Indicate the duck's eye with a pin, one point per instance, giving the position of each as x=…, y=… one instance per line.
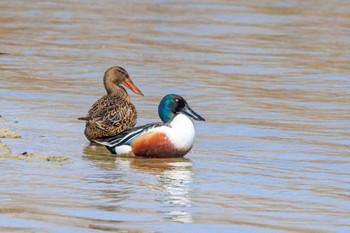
x=177, y=100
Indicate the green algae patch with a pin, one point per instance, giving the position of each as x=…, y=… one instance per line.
x=57, y=159
x=6, y=133
x=11, y=156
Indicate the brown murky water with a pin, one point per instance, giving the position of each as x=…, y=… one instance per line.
x=272, y=80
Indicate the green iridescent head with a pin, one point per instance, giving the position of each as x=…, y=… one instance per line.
x=173, y=104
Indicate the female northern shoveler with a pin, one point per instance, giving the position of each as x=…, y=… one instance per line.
x=171, y=138
x=114, y=112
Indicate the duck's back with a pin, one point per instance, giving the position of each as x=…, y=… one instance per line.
x=110, y=115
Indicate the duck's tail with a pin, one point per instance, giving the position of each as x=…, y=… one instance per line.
x=84, y=118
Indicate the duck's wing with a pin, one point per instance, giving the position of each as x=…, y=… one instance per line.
x=112, y=111
x=125, y=137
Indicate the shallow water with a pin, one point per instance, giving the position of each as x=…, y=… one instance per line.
x=272, y=81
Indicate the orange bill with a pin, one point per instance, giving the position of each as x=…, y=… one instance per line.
x=129, y=84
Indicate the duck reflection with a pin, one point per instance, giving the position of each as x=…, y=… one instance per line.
x=100, y=157
x=173, y=179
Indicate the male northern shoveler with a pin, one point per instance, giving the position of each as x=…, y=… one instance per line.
x=171, y=138
x=114, y=112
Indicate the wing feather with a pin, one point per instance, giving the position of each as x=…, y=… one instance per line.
x=125, y=137
x=111, y=114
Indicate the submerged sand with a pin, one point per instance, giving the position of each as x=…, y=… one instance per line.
x=5, y=150
x=6, y=133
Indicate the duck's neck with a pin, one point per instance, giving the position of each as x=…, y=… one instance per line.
x=114, y=89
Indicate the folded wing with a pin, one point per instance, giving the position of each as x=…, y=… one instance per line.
x=127, y=136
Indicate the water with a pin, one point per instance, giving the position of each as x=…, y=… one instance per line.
x=271, y=79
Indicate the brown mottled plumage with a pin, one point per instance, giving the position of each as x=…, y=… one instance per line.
x=114, y=112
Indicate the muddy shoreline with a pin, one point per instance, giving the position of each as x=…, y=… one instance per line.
x=5, y=150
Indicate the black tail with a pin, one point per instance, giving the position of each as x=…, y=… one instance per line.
x=102, y=141
x=111, y=149
x=84, y=118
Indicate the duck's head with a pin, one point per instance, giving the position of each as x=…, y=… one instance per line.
x=117, y=75
x=173, y=104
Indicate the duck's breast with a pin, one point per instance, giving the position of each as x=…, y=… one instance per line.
x=156, y=144
x=181, y=132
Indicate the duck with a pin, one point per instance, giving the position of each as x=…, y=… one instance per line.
x=171, y=138
x=114, y=112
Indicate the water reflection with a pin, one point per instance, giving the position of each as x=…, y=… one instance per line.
x=99, y=156
x=174, y=177
x=173, y=180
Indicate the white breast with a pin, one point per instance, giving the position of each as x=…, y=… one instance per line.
x=181, y=133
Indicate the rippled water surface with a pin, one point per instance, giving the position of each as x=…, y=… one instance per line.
x=271, y=78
